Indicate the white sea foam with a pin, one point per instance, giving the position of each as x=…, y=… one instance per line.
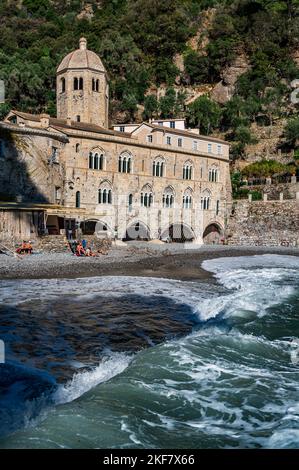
x=244, y=276
x=82, y=382
x=254, y=281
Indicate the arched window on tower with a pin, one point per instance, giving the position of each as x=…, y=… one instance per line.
x=146, y=196
x=187, y=170
x=77, y=148
x=187, y=199
x=213, y=175
x=62, y=85
x=168, y=198
x=105, y=193
x=125, y=163
x=80, y=83
x=96, y=160
x=76, y=83
x=93, y=85
x=158, y=167
x=206, y=200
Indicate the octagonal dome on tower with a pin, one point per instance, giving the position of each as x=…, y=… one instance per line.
x=81, y=58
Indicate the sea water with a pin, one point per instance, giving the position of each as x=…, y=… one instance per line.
x=129, y=362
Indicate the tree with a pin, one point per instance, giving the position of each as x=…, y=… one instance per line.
x=151, y=107
x=236, y=180
x=167, y=104
x=130, y=104
x=292, y=131
x=243, y=135
x=265, y=168
x=204, y=114
x=197, y=67
x=235, y=113
x=4, y=110
x=180, y=104
x=272, y=104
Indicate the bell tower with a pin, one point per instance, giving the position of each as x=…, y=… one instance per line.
x=82, y=90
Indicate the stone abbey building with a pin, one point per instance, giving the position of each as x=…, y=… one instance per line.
x=148, y=180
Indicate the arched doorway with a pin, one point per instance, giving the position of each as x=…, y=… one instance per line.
x=137, y=231
x=178, y=233
x=89, y=227
x=212, y=234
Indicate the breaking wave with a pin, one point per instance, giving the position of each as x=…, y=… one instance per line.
x=230, y=381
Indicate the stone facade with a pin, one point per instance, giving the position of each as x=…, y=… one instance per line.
x=271, y=223
x=148, y=177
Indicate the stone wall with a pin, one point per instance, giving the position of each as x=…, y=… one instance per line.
x=271, y=223
x=289, y=190
x=59, y=243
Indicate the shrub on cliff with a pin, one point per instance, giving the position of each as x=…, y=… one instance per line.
x=292, y=131
x=265, y=168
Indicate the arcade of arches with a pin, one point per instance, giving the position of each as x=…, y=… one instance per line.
x=178, y=233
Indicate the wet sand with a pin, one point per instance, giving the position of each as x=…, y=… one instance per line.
x=136, y=259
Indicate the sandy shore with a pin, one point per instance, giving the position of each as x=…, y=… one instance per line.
x=135, y=259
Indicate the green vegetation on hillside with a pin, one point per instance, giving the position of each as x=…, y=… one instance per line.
x=138, y=39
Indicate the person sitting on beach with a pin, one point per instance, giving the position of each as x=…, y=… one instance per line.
x=80, y=250
x=73, y=246
x=21, y=248
x=28, y=248
x=88, y=251
x=25, y=248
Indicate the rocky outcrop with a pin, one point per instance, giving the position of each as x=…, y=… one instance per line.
x=200, y=41
x=224, y=90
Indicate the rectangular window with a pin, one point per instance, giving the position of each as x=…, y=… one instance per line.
x=150, y=139
x=194, y=145
x=122, y=129
x=168, y=140
x=180, y=142
x=219, y=149
x=217, y=207
x=209, y=148
x=57, y=193
x=142, y=165
x=172, y=124
x=54, y=155
x=78, y=118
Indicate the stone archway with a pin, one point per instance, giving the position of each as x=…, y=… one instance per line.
x=137, y=231
x=178, y=233
x=89, y=227
x=213, y=234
